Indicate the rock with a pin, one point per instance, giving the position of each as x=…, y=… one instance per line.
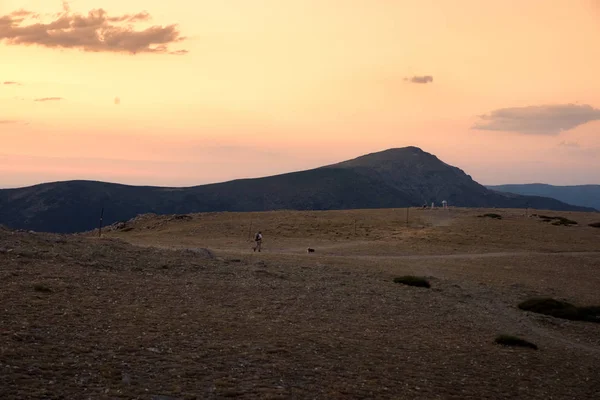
x=153, y=349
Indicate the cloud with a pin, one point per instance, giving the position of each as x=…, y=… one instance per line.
x=117, y=101
x=538, y=120
x=23, y=13
x=420, y=79
x=44, y=99
x=572, y=145
x=94, y=32
x=8, y=121
x=11, y=83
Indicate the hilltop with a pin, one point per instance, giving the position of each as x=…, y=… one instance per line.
x=394, y=178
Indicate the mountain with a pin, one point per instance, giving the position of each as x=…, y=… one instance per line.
x=392, y=178
x=581, y=195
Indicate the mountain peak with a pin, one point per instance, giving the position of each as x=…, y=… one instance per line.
x=399, y=157
x=393, y=178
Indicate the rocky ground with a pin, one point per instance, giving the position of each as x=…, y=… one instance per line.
x=89, y=318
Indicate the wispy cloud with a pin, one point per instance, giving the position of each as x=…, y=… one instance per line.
x=23, y=13
x=571, y=145
x=44, y=99
x=422, y=79
x=538, y=120
x=8, y=121
x=11, y=83
x=94, y=32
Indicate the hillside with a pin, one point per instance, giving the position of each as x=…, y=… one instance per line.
x=579, y=195
x=393, y=178
x=180, y=307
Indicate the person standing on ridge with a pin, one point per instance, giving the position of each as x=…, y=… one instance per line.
x=258, y=240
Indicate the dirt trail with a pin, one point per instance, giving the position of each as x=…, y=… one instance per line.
x=474, y=255
x=454, y=256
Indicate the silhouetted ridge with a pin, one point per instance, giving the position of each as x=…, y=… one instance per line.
x=393, y=178
x=579, y=195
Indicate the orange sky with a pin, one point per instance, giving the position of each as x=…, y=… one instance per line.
x=271, y=86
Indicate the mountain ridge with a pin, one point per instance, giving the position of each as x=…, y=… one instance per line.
x=579, y=195
x=393, y=178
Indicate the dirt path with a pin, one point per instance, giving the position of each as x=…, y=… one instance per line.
x=459, y=256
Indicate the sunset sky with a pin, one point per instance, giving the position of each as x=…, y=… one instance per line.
x=190, y=92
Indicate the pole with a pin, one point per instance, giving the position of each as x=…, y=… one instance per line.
x=250, y=231
x=355, y=227
x=101, y=217
x=407, y=208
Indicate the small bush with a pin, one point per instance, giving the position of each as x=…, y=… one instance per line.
x=508, y=340
x=595, y=224
x=561, y=309
x=42, y=288
x=590, y=314
x=410, y=280
x=558, y=220
x=491, y=215
x=564, y=221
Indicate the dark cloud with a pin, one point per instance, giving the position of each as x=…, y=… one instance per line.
x=420, y=79
x=538, y=120
x=94, y=32
x=11, y=83
x=44, y=99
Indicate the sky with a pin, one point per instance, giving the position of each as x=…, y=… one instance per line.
x=183, y=93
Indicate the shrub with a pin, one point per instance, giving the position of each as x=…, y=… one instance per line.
x=491, y=215
x=561, y=309
x=595, y=224
x=564, y=221
x=508, y=340
x=558, y=220
x=410, y=280
x=42, y=288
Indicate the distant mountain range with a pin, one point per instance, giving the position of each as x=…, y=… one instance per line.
x=581, y=195
x=389, y=179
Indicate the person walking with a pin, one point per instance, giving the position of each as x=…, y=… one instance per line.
x=258, y=240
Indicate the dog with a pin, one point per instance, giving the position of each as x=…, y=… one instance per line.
x=309, y=250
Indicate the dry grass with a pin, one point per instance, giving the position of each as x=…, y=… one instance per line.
x=168, y=317
x=366, y=232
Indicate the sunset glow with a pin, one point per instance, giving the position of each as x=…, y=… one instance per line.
x=183, y=93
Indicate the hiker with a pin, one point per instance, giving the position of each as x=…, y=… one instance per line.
x=258, y=240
